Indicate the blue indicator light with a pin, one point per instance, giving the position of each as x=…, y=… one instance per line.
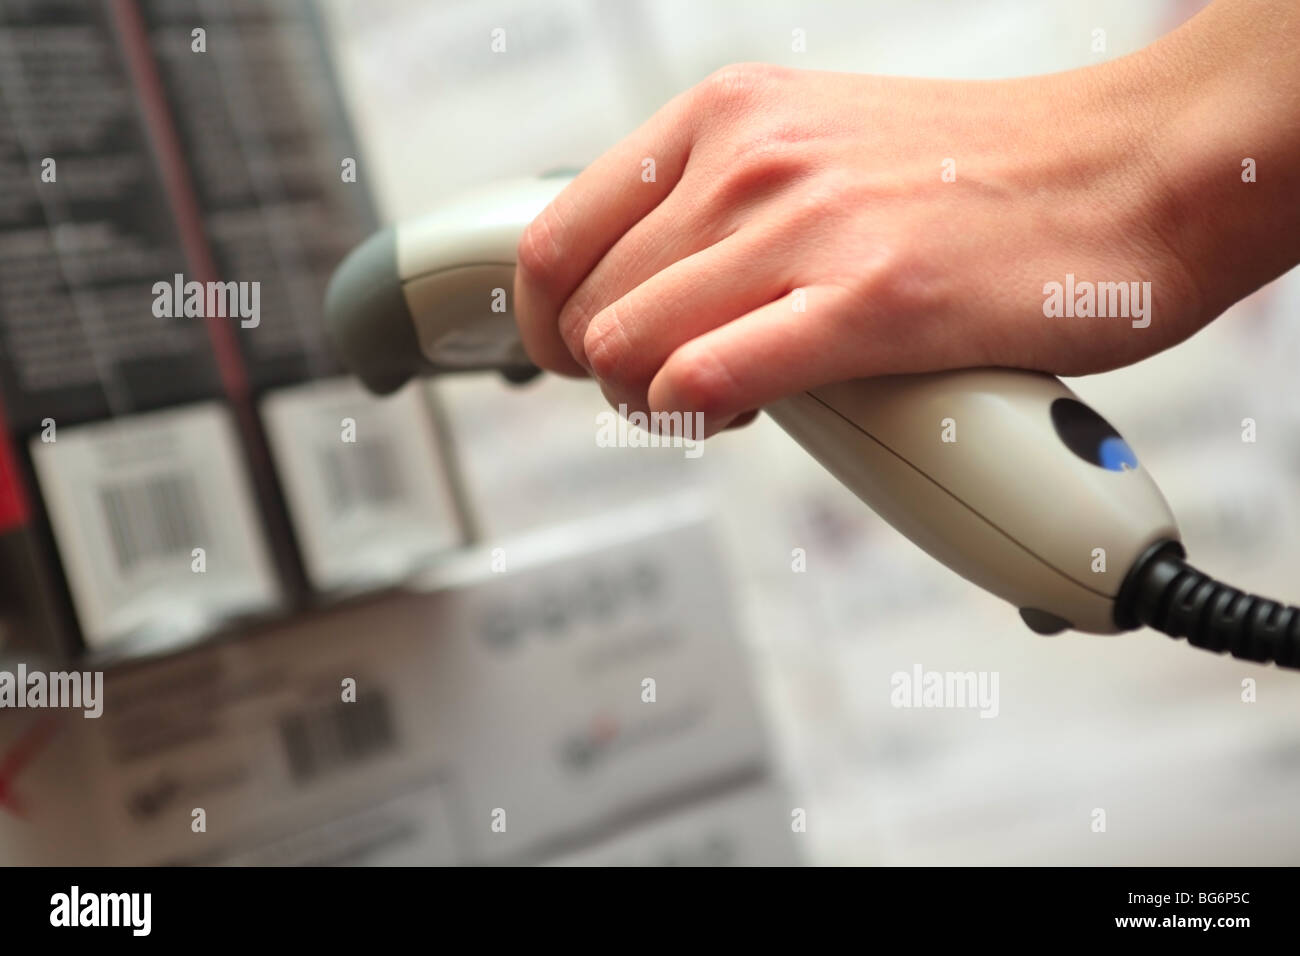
x=1114, y=454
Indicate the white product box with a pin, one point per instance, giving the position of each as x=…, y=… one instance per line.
x=515, y=696
x=156, y=525
x=365, y=481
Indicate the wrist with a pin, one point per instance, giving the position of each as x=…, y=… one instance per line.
x=1219, y=105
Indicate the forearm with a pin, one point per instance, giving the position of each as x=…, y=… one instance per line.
x=1227, y=133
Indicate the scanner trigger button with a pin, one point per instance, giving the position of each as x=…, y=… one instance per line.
x=1043, y=622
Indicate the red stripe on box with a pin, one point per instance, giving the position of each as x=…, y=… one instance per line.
x=14, y=509
x=181, y=195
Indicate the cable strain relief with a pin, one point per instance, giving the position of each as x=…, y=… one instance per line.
x=1173, y=597
x=1160, y=558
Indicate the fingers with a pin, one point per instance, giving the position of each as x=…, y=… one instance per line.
x=572, y=234
x=669, y=233
x=774, y=351
x=627, y=342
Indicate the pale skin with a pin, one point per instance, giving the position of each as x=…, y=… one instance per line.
x=777, y=188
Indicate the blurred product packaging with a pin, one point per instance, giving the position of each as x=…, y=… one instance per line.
x=305, y=660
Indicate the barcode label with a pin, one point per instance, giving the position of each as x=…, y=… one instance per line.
x=130, y=499
x=338, y=735
x=152, y=519
x=358, y=474
x=364, y=480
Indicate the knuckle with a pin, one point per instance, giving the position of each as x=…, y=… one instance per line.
x=538, y=253
x=606, y=347
x=738, y=83
x=574, y=319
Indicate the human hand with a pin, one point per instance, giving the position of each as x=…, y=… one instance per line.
x=804, y=227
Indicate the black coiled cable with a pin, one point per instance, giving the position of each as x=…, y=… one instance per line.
x=1166, y=593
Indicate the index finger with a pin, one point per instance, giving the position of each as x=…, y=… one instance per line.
x=573, y=233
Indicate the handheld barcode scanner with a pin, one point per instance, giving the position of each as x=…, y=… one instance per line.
x=1003, y=475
